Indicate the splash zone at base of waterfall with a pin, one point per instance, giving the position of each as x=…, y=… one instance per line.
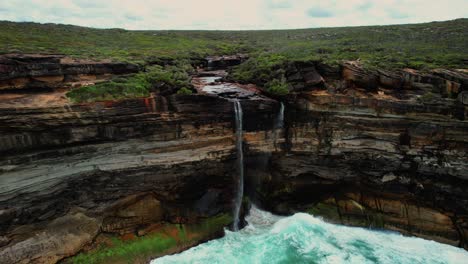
x=303, y=238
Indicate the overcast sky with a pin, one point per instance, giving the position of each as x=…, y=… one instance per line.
x=230, y=14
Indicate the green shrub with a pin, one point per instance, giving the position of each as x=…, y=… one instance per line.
x=428, y=45
x=144, y=246
x=133, y=87
x=169, y=78
x=259, y=69
x=155, y=79
x=278, y=86
x=184, y=91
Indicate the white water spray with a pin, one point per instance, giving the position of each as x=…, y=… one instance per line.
x=279, y=125
x=303, y=238
x=240, y=164
x=280, y=119
x=210, y=65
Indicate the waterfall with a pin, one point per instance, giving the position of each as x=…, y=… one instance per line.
x=210, y=65
x=240, y=164
x=280, y=119
x=279, y=124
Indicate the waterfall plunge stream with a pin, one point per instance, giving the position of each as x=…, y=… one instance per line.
x=279, y=125
x=280, y=118
x=240, y=164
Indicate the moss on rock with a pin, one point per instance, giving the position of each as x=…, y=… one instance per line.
x=165, y=239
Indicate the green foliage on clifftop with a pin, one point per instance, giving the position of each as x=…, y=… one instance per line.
x=265, y=70
x=428, y=45
x=277, y=86
x=184, y=91
x=154, y=79
x=135, y=86
x=260, y=69
x=116, y=44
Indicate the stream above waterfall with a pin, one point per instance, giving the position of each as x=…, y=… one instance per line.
x=303, y=238
x=211, y=82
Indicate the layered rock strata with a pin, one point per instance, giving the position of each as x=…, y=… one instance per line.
x=363, y=150
x=37, y=71
x=358, y=147
x=115, y=168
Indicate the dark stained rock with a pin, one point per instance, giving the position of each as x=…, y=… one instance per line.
x=392, y=159
x=311, y=76
x=330, y=72
x=463, y=97
x=459, y=76
x=355, y=75
x=225, y=61
x=390, y=79
x=303, y=76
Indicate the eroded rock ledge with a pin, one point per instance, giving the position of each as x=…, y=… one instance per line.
x=352, y=150
x=37, y=71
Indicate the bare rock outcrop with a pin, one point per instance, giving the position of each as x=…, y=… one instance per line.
x=62, y=237
x=224, y=61
x=303, y=76
x=38, y=71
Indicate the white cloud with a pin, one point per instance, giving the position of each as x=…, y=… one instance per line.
x=228, y=14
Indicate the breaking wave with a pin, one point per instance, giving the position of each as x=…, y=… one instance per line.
x=303, y=238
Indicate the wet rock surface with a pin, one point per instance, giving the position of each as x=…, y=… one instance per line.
x=213, y=83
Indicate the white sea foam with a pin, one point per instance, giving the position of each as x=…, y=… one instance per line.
x=303, y=238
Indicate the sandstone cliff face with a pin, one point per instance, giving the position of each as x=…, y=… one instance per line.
x=380, y=159
x=357, y=148
x=177, y=163
x=114, y=168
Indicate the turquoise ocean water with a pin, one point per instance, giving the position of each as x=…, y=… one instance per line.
x=303, y=238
